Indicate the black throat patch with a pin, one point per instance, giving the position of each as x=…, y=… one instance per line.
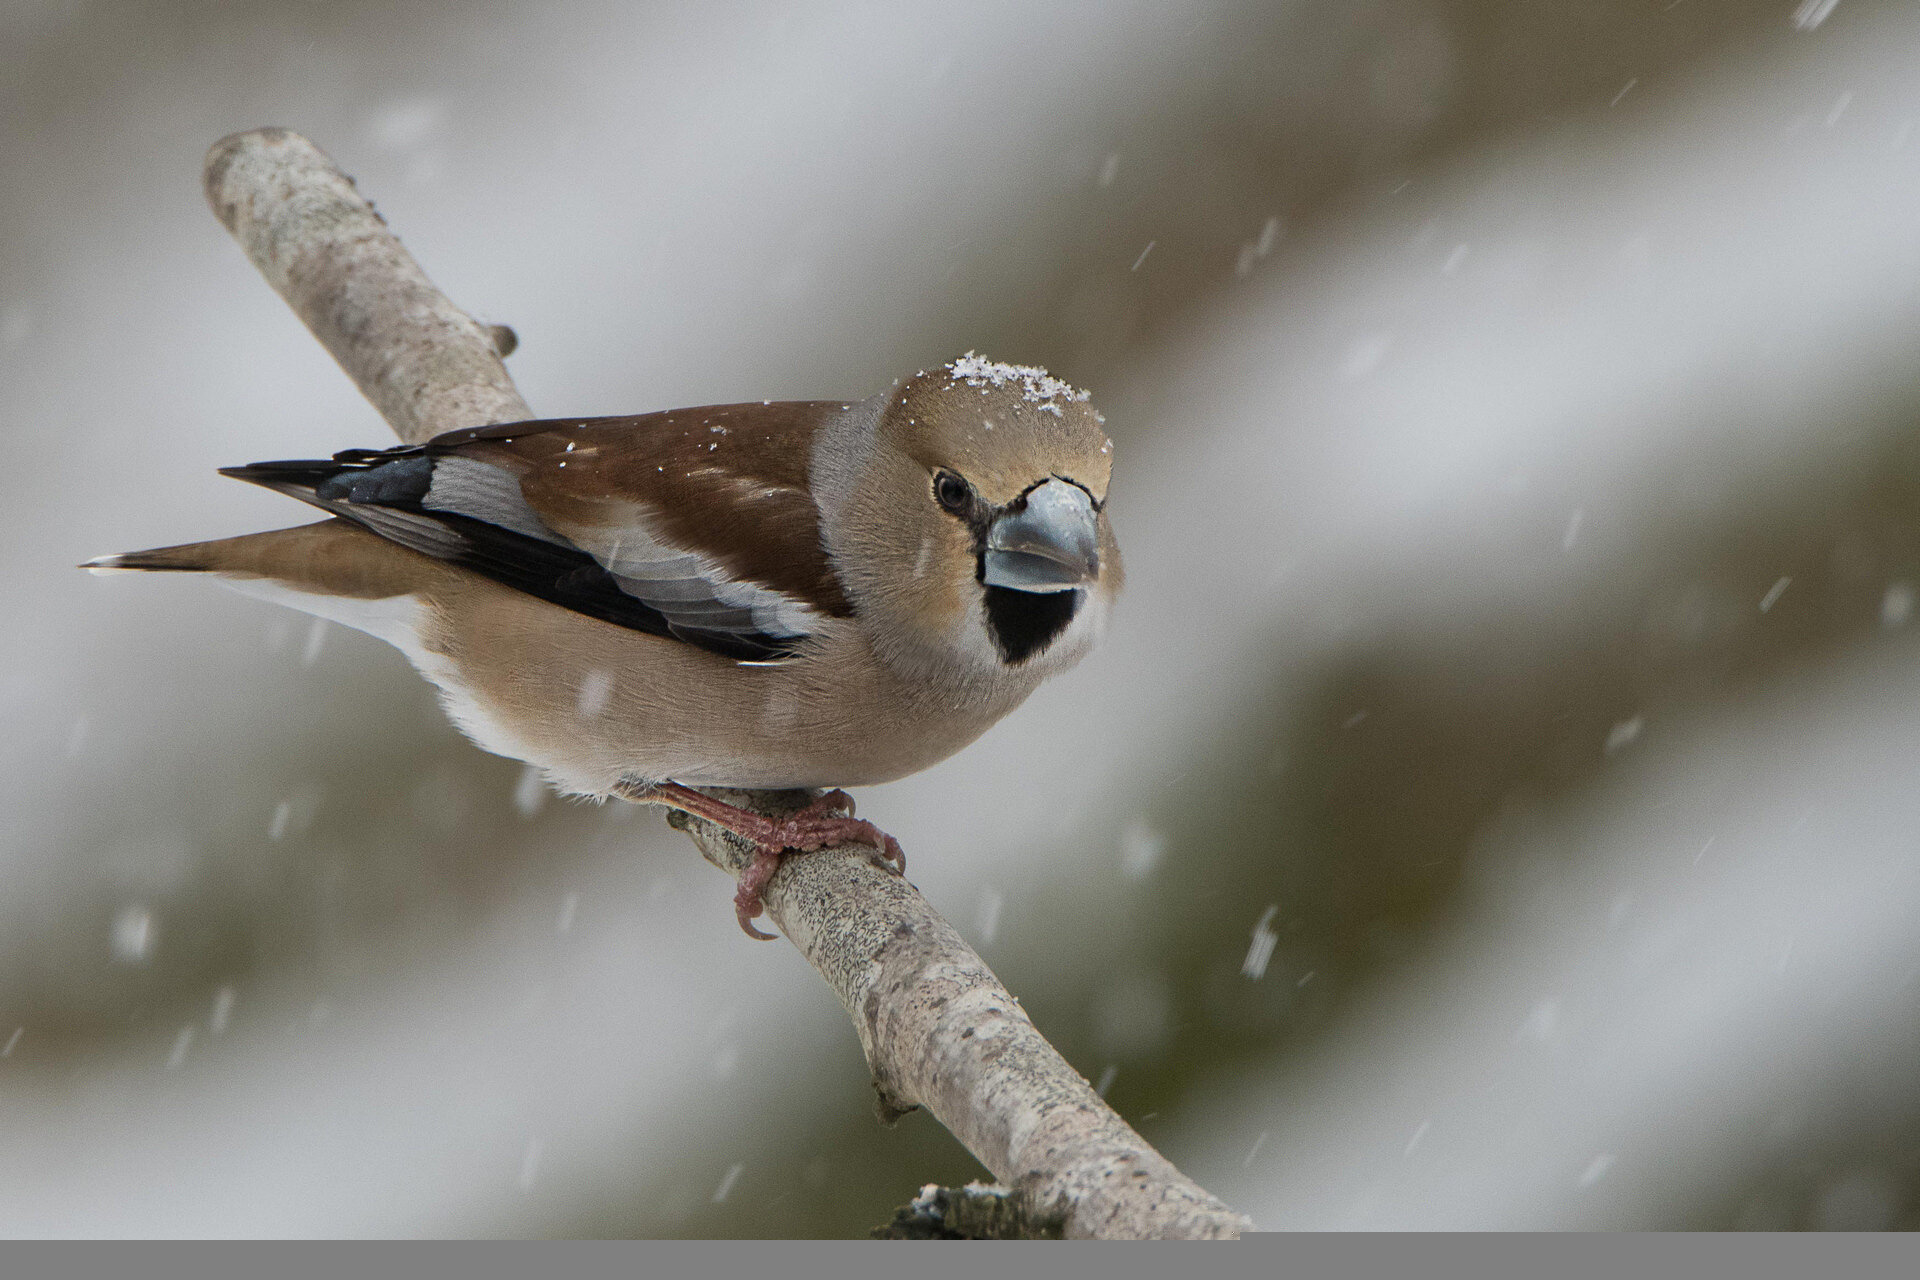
x=1024, y=623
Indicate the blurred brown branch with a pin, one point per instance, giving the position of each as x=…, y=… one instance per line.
x=939, y=1029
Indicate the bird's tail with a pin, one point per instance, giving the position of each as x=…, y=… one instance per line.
x=192, y=557
x=267, y=554
x=334, y=557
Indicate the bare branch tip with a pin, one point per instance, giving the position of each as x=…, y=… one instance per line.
x=224, y=154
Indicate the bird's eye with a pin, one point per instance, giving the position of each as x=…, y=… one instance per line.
x=952, y=492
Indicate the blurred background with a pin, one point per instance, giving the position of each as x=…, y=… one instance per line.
x=1494, y=806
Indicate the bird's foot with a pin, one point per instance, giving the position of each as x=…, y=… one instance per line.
x=829, y=821
x=826, y=823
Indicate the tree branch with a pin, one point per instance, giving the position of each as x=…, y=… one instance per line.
x=941, y=1032
x=426, y=365
x=938, y=1028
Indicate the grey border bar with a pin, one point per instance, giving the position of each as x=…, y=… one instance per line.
x=1755, y=1256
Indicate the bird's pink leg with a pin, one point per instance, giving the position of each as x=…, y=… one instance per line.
x=827, y=822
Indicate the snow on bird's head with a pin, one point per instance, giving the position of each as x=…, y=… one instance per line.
x=1039, y=387
x=1002, y=427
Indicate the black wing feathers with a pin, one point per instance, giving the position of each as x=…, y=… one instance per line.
x=383, y=492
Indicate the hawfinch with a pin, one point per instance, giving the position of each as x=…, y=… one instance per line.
x=772, y=595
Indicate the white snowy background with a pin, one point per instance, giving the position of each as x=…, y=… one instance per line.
x=1496, y=804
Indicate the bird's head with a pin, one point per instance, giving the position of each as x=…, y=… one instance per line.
x=966, y=514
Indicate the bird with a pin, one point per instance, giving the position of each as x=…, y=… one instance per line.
x=771, y=595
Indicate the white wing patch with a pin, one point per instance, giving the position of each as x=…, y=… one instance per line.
x=483, y=491
x=694, y=592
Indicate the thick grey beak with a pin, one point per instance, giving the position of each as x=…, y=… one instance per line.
x=1048, y=545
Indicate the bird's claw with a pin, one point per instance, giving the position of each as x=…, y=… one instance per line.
x=748, y=899
x=826, y=822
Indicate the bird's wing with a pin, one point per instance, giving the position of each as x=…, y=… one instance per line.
x=694, y=523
